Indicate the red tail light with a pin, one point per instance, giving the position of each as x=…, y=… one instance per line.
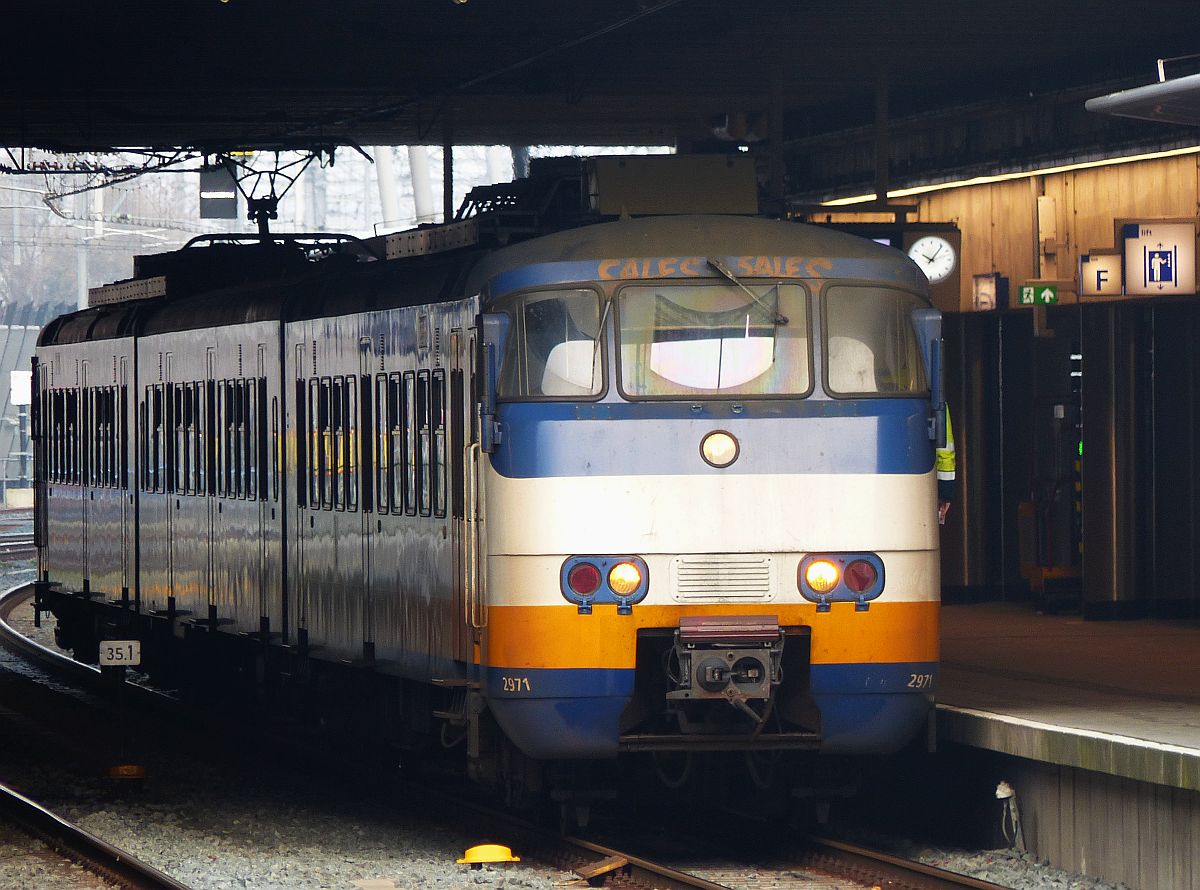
x=860, y=576
x=584, y=579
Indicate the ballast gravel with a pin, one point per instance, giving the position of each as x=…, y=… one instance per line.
x=230, y=826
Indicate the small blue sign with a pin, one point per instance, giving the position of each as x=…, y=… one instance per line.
x=1159, y=266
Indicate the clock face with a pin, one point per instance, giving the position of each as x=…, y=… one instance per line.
x=935, y=255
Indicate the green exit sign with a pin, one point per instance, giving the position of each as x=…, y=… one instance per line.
x=1037, y=294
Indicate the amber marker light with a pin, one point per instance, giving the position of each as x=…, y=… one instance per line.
x=821, y=575
x=719, y=449
x=624, y=578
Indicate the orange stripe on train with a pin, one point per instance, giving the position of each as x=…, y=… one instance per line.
x=559, y=637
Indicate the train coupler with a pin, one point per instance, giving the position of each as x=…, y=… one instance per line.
x=735, y=658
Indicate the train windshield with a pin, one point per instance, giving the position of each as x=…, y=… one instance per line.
x=717, y=341
x=871, y=347
x=552, y=348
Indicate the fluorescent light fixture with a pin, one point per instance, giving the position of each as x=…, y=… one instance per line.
x=1005, y=177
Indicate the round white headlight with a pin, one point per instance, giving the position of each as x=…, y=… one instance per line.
x=719, y=449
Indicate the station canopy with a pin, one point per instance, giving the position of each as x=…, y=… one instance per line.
x=217, y=75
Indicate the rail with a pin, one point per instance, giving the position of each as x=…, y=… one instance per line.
x=93, y=853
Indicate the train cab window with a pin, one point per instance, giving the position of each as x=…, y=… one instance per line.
x=251, y=431
x=553, y=350
x=870, y=345
x=714, y=341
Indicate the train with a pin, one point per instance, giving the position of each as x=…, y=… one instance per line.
x=559, y=489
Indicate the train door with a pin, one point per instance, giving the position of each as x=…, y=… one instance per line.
x=171, y=454
x=85, y=465
x=124, y=479
x=257, y=420
x=365, y=482
x=463, y=495
x=210, y=425
x=303, y=456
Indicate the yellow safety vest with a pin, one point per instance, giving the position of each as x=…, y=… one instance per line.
x=946, y=462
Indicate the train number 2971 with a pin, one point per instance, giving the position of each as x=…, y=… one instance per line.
x=516, y=684
x=920, y=681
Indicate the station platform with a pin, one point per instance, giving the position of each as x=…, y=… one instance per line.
x=1115, y=697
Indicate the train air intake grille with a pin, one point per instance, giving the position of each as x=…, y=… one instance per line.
x=721, y=578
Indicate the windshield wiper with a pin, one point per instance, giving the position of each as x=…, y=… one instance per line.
x=726, y=272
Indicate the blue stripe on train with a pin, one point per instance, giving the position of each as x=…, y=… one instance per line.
x=544, y=439
x=575, y=713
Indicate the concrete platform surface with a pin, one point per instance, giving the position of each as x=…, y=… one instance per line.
x=1120, y=697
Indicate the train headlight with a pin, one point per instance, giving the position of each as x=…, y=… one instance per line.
x=589, y=581
x=827, y=578
x=719, y=449
x=822, y=575
x=624, y=578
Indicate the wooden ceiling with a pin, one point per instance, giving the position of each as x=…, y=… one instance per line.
x=222, y=74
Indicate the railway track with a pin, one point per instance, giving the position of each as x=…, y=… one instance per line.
x=97, y=856
x=813, y=864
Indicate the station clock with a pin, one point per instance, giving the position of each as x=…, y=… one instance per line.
x=935, y=255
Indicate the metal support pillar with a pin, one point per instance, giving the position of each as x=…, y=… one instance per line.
x=1111, y=580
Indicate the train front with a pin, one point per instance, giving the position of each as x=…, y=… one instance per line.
x=709, y=492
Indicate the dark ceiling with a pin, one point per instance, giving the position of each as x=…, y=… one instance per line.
x=220, y=74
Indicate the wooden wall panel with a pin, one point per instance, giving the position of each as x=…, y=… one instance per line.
x=998, y=220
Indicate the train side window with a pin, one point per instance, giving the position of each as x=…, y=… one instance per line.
x=144, y=441
x=274, y=447
x=437, y=410
x=186, y=423
x=410, y=443
x=86, y=436
x=302, y=434
x=366, y=444
x=314, y=444
x=350, y=416
x=103, y=444
x=60, y=433
x=425, y=445
x=100, y=448
x=199, y=472
x=210, y=435
x=252, y=430
x=457, y=445
x=396, y=436
x=338, y=438
x=383, y=482
x=326, y=429
x=158, y=425
x=220, y=427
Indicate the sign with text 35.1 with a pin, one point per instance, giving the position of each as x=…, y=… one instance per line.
x=121, y=652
